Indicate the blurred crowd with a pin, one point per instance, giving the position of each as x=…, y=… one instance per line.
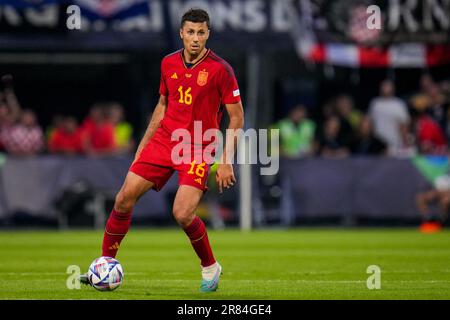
x=103, y=131
x=418, y=123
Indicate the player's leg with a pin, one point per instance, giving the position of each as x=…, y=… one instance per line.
x=119, y=220
x=423, y=200
x=445, y=205
x=185, y=204
x=430, y=222
x=444, y=201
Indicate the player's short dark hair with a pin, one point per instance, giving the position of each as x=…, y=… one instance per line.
x=195, y=15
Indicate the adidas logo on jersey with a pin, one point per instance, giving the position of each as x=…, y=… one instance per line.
x=174, y=76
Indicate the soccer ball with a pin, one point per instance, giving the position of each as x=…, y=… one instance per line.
x=105, y=274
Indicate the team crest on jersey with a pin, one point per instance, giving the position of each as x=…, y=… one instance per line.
x=202, y=78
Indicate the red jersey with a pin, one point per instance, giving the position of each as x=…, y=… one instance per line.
x=196, y=93
x=63, y=141
x=430, y=134
x=100, y=135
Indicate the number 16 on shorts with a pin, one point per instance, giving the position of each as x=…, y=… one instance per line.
x=195, y=174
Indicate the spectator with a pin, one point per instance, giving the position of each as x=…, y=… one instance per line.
x=10, y=109
x=98, y=132
x=365, y=143
x=56, y=123
x=430, y=137
x=343, y=109
x=328, y=109
x=66, y=138
x=10, y=99
x=296, y=133
x=426, y=83
x=330, y=143
x=346, y=111
x=123, y=131
x=3, y=117
x=390, y=118
x=25, y=138
x=439, y=108
x=95, y=114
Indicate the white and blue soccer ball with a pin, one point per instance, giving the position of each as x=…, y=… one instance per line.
x=105, y=274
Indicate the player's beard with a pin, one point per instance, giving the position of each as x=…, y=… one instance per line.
x=194, y=55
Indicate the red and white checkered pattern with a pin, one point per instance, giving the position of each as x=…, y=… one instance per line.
x=405, y=55
x=22, y=140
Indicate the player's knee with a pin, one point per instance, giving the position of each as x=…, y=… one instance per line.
x=124, y=202
x=183, y=216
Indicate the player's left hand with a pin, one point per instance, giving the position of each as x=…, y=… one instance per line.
x=225, y=176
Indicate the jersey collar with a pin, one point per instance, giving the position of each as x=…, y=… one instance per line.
x=195, y=64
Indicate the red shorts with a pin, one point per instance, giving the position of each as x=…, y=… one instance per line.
x=155, y=164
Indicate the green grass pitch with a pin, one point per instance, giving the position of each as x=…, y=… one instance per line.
x=274, y=264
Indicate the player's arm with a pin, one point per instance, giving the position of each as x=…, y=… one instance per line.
x=225, y=175
x=11, y=98
x=157, y=116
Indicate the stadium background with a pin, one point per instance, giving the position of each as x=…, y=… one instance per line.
x=284, y=53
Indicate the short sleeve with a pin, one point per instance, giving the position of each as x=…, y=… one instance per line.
x=162, y=84
x=228, y=86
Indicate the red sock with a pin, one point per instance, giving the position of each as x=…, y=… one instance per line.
x=116, y=228
x=196, y=232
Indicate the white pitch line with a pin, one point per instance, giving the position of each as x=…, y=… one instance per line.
x=52, y=273
x=297, y=281
x=228, y=280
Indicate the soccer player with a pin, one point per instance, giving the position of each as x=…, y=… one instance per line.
x=196, y=85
